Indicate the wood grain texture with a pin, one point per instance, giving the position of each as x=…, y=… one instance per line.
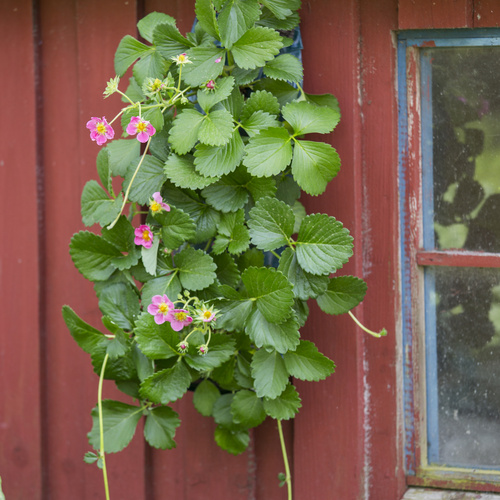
x=427, y=14
x=79, y=41
x=383, y=458
x=328, y=432
x=20, y=424
x=486, y=13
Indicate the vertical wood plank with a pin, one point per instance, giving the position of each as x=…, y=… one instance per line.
x=486, y=13
x=20, y=425
x=328, y=432
x=79, y=41
x=426, y=14
x=383, y=458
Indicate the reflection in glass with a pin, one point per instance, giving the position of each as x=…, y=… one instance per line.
x=463, y=351
x=463, y=149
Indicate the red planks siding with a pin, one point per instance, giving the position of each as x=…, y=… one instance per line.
x=383, y=431
x=328, y=432
x=20, y=426
x=423, y=14
x=79, y=41
x=486, y=13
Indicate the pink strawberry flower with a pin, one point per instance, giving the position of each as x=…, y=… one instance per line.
x=218, y=60
x=142, y=128
x=100, y=130
x=206, y=315
x=143, y=236
x=157, y=204
x=180, y=318
x=210, y=85
x=161, y=308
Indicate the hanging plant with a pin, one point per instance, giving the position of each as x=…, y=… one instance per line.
x=206, y=258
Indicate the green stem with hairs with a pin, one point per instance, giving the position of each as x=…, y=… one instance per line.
x=288, y=476
x=102, y=455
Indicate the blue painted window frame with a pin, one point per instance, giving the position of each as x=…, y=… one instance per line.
x=405, y=40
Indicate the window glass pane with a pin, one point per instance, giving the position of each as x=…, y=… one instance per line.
x=463, y=366
x=461, y=147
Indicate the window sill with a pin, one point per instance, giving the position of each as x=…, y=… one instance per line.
x=425, y=494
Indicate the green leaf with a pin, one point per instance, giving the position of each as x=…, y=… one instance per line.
x=268, y=19
x=119, y=346
x=324, y=100
x=228, y=194
x=204, y=397
x=307, y=118
x=219, y=160
x=178, y=227
x=117, y=369
x=306, y=363
x=234, y=442
x=234, y=313
x=269, y=373
x=148, y=24
x=222, y=412
x=255, y=47
x=86, y=336
x=159, y=145
x=155, y=341
x=247, y=409
x=209, y=98
x=284, y=67
x=243, y=373
x=281, y=8
x=283, y=91
x=152, y=65
x=143, y=365
x=93, y=256
x=216, y=128
x=220, y=349
x=169, y=41
x=150, y=257
x=271, y=291
x=261, y=187
x=205, y=13
x=285, y=406
x=196, y=269
x=129, y=49
x=119, y=421
x=148, y=180
x=236, y=17
x=120, y=302
x=184, y=132
x=305, y=285
x=227, y=270
x=97, y=207
x=300, y=214
x=167, y=385
x=268, y=153
x=282, y=337
x=271, y=224
x=343, y=294
x=104, y=169
x=181, y=171
x=121, y=153
x=160, y=426
x=169, y=285
x=121, y=235
x=257, y=122
x=245, y=76
x=260, y=101
x=233, y=234
x=203, y=67
x=323, y=244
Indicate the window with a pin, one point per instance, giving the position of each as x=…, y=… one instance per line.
x=449, y=97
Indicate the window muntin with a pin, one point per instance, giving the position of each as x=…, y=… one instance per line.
x=450, y=228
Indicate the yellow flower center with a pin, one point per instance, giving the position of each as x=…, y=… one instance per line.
x=141, y=126
x=182, y=58
x=145, y=236
x=180, y=316
x=163, y=308
x=101, y=128
x=156, y=84
x=155, y=206
x=207, y=314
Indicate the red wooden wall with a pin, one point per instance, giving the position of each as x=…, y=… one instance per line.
x=347, y=441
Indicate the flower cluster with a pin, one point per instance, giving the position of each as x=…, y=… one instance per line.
x=190, y=311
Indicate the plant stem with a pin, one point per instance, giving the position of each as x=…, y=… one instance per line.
x=129, y=186
x=382, y=333
x=102, y=455
x=288, y=477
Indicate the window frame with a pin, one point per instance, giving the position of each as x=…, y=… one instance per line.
x=414, y=258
